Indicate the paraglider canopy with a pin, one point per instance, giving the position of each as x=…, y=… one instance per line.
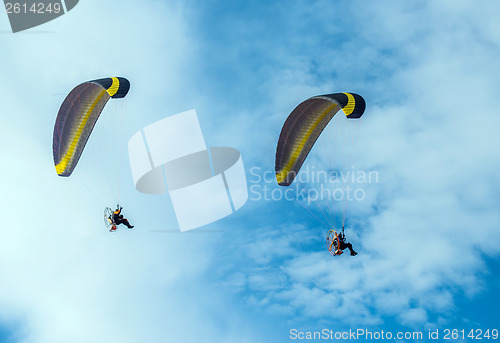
x=303, y=127
x=77, y=117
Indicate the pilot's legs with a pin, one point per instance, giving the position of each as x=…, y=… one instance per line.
x=348, y=246
x=123, y=221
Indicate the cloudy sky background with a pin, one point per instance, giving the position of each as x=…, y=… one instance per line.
x=427, y=231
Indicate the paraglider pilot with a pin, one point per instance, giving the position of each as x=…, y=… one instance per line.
x=118, y=217
x=343, y=244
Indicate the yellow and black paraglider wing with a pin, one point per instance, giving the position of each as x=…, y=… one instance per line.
x=303, y=127
x=77, y=117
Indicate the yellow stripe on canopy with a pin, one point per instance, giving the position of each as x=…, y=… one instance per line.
x=281, y=176
x=114, y=86
x=61, y=166
x=351, y=104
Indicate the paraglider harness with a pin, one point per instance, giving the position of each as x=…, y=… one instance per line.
x=336, y=243
x=114, y=218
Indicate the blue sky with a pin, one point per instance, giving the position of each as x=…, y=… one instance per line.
x=427, y=231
